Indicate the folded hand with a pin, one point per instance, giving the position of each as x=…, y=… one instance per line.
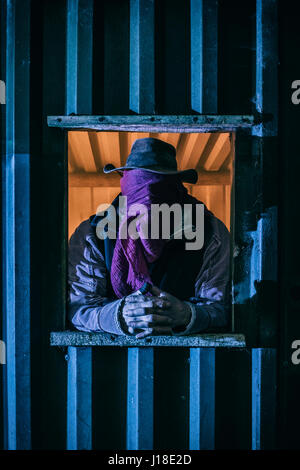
x=154, y=315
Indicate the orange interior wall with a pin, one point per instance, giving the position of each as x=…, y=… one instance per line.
x=86, y=158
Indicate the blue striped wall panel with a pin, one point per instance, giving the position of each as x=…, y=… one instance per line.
x=266, y=79
x=142, y=81
x=140, y=398
x=16, y=228
x=264, y=399
x=79, y=60
x=202, y=399
x=79, y=405
x=204, y=55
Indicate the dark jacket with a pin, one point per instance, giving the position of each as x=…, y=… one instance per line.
x=199, y=277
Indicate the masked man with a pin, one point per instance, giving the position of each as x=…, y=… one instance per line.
x=139, y=284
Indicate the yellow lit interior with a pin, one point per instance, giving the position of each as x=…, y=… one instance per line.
x=211, y=154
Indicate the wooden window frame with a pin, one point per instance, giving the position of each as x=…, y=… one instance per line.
x=238, y=125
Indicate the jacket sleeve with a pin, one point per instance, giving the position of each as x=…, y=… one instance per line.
x=211, y=305
x=89, y=308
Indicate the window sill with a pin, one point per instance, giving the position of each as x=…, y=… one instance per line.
x=209, y=340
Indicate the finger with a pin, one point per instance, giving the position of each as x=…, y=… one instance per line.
x=133, y=298
x=149, y=321
x=138, y=312
x=143, y=334
x=159, y=330
x=140, y=324
x=142, y=303
x=161, y=303
x=148, y=302
x=153, y=318
x=158, y=304
x=146, y=325
x=162, y=330
x=158, y=292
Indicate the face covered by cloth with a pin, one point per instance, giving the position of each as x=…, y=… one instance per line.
x=131, y=257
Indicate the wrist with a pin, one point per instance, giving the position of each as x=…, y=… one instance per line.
x=186, y=315
x=189, y=321
x=122, y=322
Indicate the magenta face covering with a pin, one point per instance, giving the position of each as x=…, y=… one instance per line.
x=131, y=257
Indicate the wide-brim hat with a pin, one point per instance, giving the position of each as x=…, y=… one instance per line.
x=156, y=156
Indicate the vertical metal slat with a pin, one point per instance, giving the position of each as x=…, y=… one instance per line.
x=202, y=398
x=72, y=56
x=79, y=406
x=265, y=271
x=16, y=228
x=266, y=82
x=142, y=86
x=85, y=57
x=263, y=398
x=140, y=399
x=79, y=61
x=204, y=55
x=79, y=100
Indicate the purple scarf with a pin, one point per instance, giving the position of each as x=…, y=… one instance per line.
x=130, y=260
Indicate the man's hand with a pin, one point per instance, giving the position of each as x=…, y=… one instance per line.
x=144, y=316
x=178, y=311
x=145, y=313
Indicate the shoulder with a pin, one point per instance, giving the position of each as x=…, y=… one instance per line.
x=85, y=229
x=216, y=232
x=84, y=239
x=219, y=228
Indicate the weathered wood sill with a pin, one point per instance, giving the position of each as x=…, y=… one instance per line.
x=77, y=338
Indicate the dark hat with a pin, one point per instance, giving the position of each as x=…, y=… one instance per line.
x=156, y=156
